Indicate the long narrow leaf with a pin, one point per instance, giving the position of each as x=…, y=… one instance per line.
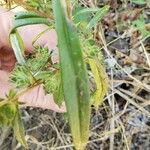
x=23, y=15
x=98, y=16
x=19, y=130
x=30, y=21
x=28, y=18
x=74, y=76
x=18, y=47
x=101, y=81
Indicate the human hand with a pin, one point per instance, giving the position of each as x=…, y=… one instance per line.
x=35, y=97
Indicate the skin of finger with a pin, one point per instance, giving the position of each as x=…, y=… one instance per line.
x=5, y=86
x=5, y=18
x=37, y=98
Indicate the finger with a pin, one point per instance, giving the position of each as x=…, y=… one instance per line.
x=5, y=18
x=37, y=98
x=5, y=86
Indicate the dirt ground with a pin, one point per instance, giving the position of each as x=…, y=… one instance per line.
x=123, y=120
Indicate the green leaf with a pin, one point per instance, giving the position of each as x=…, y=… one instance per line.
x=39, y=59
x=23, y=15
x=98, y=16
x=53, y=85
x=139, y=2
x=18, y=47
x=81, y=19
x=59, y=94
x=19, y=130
x=74, y=76
x=22, y=77
x=29, y=21
x=7, y=114
x=28, y=18
x=86, y=11
x=140, y=25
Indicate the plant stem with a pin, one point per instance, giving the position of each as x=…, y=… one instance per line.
x=15, y=99
x=69, y=8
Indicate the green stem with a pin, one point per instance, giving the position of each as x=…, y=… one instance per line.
x=15, y=99
x=69, y=9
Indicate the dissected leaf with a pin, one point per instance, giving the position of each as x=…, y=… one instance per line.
x=53, y=85
x=19, y=129
x=74, y=76
x=22, y=77
x=101, y=81
x=39, y=59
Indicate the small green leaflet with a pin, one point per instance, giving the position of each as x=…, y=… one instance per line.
x=98, y=16
x=21, y=77
x=7, y=114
